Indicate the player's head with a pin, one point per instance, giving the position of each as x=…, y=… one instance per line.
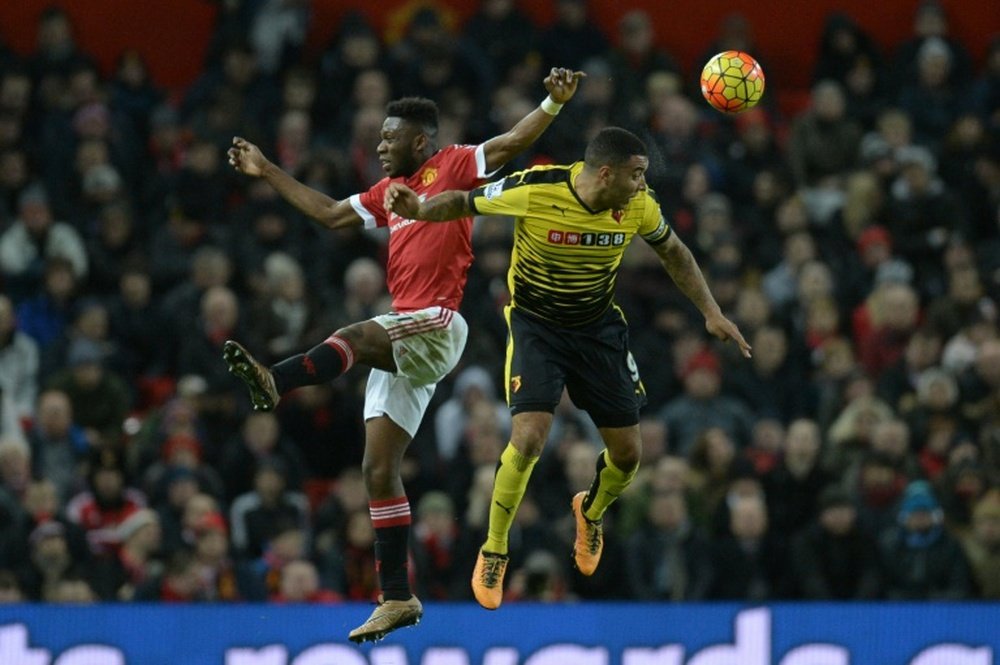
x=618, y=158
x=409, y=135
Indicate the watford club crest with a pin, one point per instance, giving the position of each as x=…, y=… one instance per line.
x=428, y=176
x=515, y=383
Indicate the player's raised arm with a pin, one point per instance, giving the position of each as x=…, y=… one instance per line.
x=683, y=269
x=247, y=158
x=443, y=207
x=561, y=85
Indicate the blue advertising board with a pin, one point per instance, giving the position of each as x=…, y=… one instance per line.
x=518, y=634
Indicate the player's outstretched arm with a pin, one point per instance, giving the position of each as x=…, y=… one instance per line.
x=247, y=158
x=683, y=269
x=443, y=207
x=561, y=85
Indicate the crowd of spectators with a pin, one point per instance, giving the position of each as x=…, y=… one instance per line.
x=856, y=243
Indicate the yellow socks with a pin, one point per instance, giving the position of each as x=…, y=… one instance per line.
x=609, y=483
x=509, y=485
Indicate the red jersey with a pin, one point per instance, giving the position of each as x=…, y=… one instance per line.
x=428, y=261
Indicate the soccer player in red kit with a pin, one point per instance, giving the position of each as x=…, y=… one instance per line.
x=421, y=340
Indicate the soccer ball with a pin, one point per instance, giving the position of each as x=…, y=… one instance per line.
x=732, y=82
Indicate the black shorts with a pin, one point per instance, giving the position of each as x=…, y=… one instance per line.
x=593, y=363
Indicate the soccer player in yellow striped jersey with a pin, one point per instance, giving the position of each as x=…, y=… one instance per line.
x=572, y=225
x=566, y=255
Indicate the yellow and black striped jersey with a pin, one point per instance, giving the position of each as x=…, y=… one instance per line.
x=566, y=256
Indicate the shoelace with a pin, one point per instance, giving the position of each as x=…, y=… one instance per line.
x=491, y=571
x=593, y=536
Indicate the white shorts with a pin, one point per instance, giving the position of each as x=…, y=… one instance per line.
x=426, y=345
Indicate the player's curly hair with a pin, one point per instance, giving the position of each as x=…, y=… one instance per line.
x=613, y=146
x=417, y=110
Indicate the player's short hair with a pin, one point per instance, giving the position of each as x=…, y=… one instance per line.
x=613, y=146
x=416, y=110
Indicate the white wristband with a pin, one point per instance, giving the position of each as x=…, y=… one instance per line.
x=550, y=106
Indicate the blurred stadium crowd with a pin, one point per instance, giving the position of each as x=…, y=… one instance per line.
x=856, y=241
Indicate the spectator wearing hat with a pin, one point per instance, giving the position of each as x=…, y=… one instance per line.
x=702, y=406
x=117, y=577
x=982, y=545
x=18, y=362
x=254, y=514
x=920, y=559
x=873, y=249
x=99, y=396
x=108, y=501
x=223, y=579
x=833, y=558
x=34, y=237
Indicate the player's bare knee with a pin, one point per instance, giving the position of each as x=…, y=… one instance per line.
x=371, y=344
x=626, y=457
x=379, y=474
x=529, y=446
x=529, y=433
